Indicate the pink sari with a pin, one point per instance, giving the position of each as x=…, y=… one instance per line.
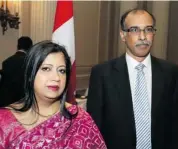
x=55, y=133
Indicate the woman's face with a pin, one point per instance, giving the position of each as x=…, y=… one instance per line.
x=50, y=79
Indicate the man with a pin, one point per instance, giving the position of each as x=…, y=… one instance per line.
x=131, y=97
x=11, y=84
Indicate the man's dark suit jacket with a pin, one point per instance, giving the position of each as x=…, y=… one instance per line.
x=110, y=103
x=11, y=85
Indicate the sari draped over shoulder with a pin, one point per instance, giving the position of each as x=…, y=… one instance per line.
x=57, y=132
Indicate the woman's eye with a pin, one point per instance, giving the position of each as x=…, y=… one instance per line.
x=45, y=69
x=62, y=71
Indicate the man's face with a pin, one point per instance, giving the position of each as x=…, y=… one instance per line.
x=138, y=42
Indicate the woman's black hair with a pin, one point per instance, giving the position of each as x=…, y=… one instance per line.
x=34, y=59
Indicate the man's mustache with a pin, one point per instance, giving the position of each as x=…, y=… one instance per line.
x=147, y=43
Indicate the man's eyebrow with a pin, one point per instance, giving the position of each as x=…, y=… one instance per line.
x=139, y=27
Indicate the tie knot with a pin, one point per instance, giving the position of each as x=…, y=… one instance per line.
x=140, y=67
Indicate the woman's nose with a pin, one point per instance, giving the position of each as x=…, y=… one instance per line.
x=56, y=76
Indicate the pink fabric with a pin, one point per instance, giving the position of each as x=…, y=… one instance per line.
x=54, y=133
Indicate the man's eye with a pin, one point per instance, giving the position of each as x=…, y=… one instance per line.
x=149, y=30
x=134, y=29
x=45, y=69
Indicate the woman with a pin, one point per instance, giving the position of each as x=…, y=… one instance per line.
x=43, y=119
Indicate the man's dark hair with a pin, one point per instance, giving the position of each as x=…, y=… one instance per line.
x=135, y=10
x=24, y=43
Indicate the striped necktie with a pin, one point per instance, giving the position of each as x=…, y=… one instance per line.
x=142, y=111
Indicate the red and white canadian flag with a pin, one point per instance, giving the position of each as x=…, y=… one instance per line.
x=63, y=34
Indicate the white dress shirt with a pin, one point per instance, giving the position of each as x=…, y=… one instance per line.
x=131, y=64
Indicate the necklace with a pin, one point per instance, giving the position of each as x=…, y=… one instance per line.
x=46, y=116
x=37, y=117
x=30, y=124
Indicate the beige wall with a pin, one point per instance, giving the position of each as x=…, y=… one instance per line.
x=8, y=43
x=172, y=46
x=25, y=19
x=86, y=21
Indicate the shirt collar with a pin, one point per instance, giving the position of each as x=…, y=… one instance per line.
x=21, y=51
x=147, y=61
x=131, y=62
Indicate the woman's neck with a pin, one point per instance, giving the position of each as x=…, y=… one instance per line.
x=48, y=109
x=35, y=116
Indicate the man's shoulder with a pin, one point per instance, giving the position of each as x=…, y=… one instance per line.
x=164, y=63
x=108, y=64
x=165, y=66
x=15, y=57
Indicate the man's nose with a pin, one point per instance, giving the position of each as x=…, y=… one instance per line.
x=142, y=35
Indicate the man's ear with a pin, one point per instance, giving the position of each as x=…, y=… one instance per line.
x=123, y=35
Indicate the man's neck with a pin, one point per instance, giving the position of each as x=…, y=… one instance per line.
x=138, y=59
x=21, y=50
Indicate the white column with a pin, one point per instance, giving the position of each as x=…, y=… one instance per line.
x=42, y=20
x=161, y=12
x=124, y=6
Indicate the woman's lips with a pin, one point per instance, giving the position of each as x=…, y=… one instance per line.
x=53, y=87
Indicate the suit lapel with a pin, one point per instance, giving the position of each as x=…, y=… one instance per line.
x=121, y=78
x=122, y=87
x=157, y=83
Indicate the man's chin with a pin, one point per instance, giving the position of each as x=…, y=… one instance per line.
x=142, y=55
x=142, y=52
